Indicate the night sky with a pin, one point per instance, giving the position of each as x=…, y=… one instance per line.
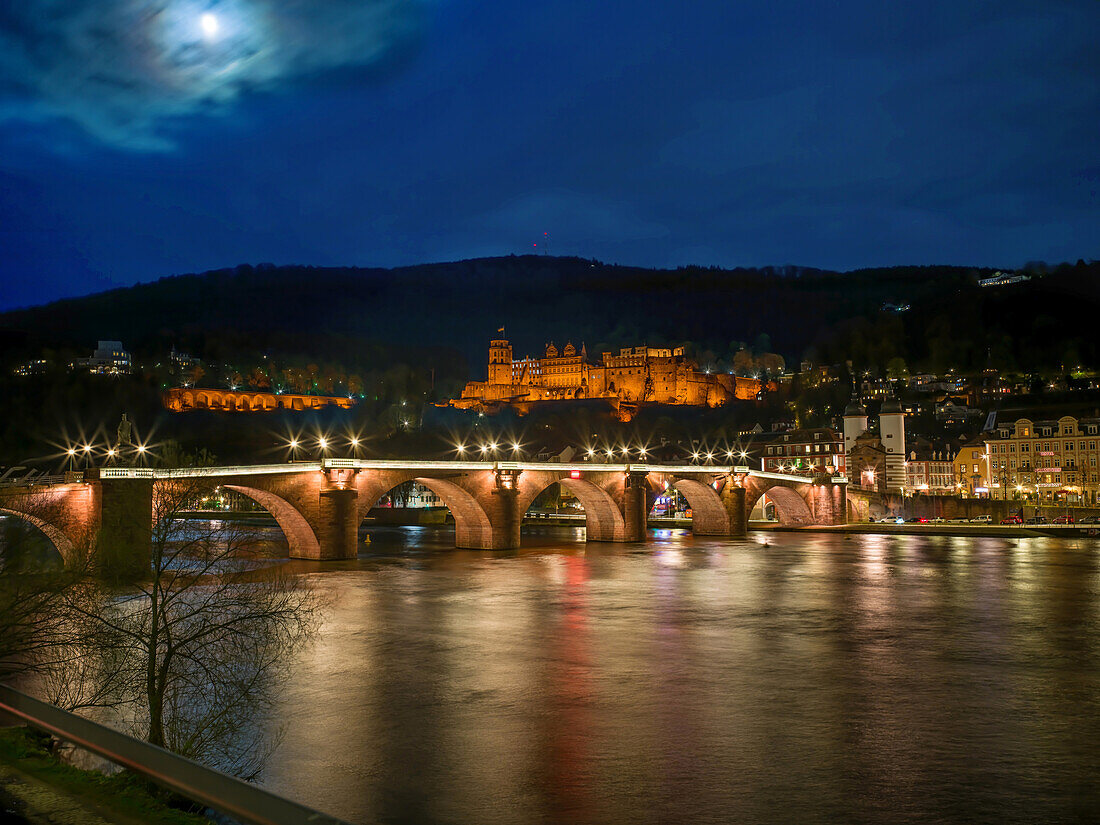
x=143, y=139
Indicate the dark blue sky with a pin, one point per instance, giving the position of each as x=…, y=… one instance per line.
x=141, y=139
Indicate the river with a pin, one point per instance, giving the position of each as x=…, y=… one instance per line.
x=815, y=678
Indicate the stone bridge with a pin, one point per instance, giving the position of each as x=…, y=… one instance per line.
x=319, y=505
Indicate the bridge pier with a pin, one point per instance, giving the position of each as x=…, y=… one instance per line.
x=829, y=503
x=502, y=508
x=635, y=506
x=123, y=548
x=337, y=525
x=733, y=499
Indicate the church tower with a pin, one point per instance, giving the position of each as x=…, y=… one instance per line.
x=500, y=362
x=892, y=432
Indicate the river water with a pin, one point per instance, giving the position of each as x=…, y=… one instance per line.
x=817, y=678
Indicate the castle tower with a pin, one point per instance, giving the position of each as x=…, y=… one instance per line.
x=500, y=362
x=892, y=432
x=855, y=425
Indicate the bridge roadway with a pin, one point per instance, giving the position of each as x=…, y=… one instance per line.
x=320, y=504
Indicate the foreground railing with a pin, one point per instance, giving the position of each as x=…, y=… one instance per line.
x=214, y=789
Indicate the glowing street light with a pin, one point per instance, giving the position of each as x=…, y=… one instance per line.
x=460, y=449
x=515, y=447
x=322, y=442
x=591, y=452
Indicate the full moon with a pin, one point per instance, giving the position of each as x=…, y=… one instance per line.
x=209, y=23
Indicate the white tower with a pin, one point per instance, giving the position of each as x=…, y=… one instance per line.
x=855, y=425
x=892, y=431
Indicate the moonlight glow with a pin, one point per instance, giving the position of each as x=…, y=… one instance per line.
x=209, y=24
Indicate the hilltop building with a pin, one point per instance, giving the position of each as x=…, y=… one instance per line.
x=109, y=358
x=631, y=377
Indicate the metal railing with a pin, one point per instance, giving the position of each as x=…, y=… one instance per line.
x=239, y=799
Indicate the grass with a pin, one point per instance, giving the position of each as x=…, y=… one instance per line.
x=130, y=795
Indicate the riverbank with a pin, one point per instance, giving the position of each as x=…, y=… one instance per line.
x=37, y=787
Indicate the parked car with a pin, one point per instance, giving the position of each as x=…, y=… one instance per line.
x=1036, y=520
x=937, y=520
x=985, y=519
x=1088, y=520
x=1012, y=520
x=1063, y=520
x=917, y=520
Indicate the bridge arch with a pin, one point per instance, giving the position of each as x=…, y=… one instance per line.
x=473, y=530
x=472, y=527
x=300, y=537
x=708, y=513
x=790, y=507
x=61, y=542
x=603, y=520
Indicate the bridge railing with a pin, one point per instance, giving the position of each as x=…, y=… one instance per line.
x=242, y=800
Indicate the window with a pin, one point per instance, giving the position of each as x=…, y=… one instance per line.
x=976, y=470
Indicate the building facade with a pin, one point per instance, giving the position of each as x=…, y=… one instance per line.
x=971, y=466
x=109, y=358
x=1051, y=461
x=801, y=452
x=634, y=375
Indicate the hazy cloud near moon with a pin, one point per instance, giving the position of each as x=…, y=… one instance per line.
x=120, y=69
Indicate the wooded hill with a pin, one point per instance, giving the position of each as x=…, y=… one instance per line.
x=447, y=311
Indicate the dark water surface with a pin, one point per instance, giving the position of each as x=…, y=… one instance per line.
x=818, y=679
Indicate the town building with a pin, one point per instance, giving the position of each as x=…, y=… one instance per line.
x=802, y=452
x=1052, y=460
x=628, y=378
x=109, y=358
x=971, y=467
x=29, y=368
x=929, y=469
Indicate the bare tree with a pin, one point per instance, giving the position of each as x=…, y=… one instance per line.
x=195, y=651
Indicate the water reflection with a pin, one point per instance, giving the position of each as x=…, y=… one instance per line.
x=819, y=678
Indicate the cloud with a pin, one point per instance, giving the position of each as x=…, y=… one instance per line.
x=121, y=70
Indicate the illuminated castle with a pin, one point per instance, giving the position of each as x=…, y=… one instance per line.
x=634, y=376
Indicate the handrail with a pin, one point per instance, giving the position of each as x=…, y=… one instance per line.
x=234, y=797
